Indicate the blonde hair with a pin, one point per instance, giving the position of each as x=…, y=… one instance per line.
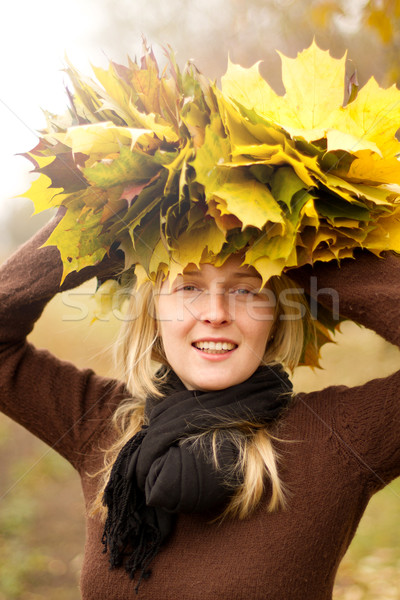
x=140, y=351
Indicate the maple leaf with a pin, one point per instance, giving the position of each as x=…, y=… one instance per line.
x=101, y=139
x=373, y=116
x=124, y=167
x=43, y=195
x=77, y=242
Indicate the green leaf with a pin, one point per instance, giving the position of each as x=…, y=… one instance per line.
x=215, y=151
x=148, y=199
x=130, y=166
x=285, y=184
x=79, y=245
x=145, y=240
x=335, y=208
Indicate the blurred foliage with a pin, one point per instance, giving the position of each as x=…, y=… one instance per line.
x=39, y=553
x=379, y=17
x=370, y=569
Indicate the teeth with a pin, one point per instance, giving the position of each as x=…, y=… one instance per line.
x=215, y=346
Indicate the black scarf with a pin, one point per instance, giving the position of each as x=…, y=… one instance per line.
x=155, y=476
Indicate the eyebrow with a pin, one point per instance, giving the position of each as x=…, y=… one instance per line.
x=238, y=274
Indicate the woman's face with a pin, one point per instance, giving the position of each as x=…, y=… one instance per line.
x=215, y=323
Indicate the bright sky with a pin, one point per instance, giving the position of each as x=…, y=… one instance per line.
x=34, y=37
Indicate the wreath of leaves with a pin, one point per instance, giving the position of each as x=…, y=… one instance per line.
x=177, y=170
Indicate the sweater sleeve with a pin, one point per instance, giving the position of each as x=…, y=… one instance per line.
x=365, y=290
x=367, y=417
x=60, y=404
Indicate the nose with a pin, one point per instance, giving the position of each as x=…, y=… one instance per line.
x=215, y=309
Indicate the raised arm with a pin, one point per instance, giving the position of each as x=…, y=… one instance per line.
x=365, y=289
x=53, y=399
x=366, y=418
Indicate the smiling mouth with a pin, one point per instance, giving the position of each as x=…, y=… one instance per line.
x=214, y=347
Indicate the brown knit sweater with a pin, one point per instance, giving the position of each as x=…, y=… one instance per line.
x=344, y=446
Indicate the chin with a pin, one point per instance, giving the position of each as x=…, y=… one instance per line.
x=212, y=388
x=210, y=384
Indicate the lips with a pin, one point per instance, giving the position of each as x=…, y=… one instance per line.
x=214, y=347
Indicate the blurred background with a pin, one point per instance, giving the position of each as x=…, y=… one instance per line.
x=41, y=510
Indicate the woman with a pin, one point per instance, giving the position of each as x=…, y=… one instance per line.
x=232, y=488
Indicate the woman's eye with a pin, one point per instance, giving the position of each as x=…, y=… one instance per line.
x=243, y=292
x=188, y=288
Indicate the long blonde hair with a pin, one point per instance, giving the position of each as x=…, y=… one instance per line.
x=140, y=351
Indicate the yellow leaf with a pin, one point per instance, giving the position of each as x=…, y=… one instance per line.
x=249, y=88
x=246, y=198
x=176, y=165
x=352, y=224
x=244, y=132
x=102, y=139
x=370, y=169
x=146, y=84
x=266, y=267
x=350, y=191
x=259, y=152
x=373, y=116
x=127, y=166
x=339, y=140
x=196, y=121
x=43, y=196
x=161, y=256
x=314, y=86
x=117, y=95
x=325, y=236
x=311, y=353
x=195, y=246
x=285, y=158
x=42, y=161
x=386, y=235
x=169, y=98
x=304, y=166
x=141, y=275
x=215, y=151
x=309, y=214
x=87, y=99
x=309, y=135
x=79, y=246
x=224, y=220
x=159, y=126
x=275, y=247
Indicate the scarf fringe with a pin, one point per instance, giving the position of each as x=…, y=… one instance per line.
x=130, y=540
